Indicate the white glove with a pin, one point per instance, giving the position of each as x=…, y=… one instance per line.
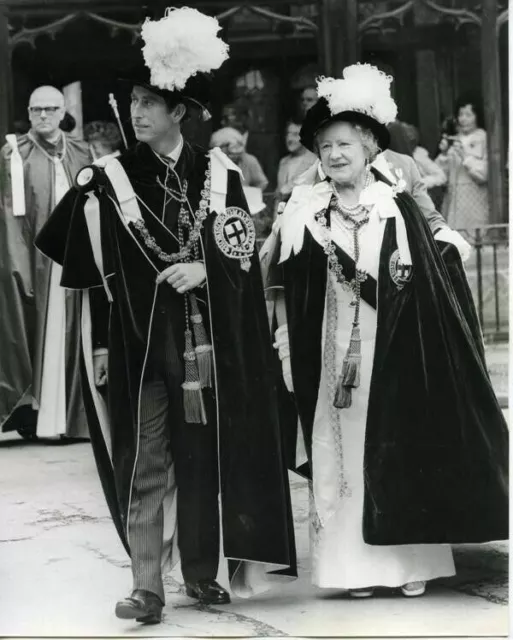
x=101, y=366
x=455, y=238
x=282, y=344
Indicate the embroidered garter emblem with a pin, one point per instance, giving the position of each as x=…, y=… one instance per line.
x=399, y=272
x=235, y=235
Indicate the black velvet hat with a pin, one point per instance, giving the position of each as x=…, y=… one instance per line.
x=362, y=96
x=320, y=115
x=196, y=92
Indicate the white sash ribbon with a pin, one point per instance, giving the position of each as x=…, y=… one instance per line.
x=123, y=189
x=17, y=177
x=219, y=166
x=92, y=217
x=382, y=197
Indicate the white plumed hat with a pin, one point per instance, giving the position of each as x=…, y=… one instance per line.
x=181, y=45
x=362, y=96
x=364, y=89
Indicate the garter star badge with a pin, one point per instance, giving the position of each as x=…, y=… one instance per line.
x=235, y=235
x=399, y=272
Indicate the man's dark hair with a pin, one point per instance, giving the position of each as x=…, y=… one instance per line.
x=399, y=139
x=68, y=123
x=449, y=127
x=106, y=132
x=172, y=100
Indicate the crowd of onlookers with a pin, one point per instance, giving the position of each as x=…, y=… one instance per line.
x=456, y=176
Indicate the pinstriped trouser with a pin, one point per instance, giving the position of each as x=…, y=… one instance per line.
x=165, y=437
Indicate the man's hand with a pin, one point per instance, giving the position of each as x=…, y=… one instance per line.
x=183, y=277
x=101, y=368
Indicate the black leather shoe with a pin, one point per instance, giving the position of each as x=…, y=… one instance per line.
x=207, y=592
x=142, y=605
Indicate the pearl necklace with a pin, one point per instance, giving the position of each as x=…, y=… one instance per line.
x=351, y=210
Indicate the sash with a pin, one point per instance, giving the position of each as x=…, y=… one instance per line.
x=368, y=288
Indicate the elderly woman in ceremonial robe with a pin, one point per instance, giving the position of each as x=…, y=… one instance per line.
x=403, y=439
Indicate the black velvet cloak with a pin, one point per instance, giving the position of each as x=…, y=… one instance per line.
x=256, y=512
x=436, y=446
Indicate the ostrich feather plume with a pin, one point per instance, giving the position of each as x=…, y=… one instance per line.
x=180, y=45
x=364, y=88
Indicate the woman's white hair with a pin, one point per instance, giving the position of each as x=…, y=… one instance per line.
x=367, y=138
x=226, y=136
x=369, y=142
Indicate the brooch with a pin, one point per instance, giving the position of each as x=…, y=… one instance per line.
x=235, y=235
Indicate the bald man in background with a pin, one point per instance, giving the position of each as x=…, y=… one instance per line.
x=40, y=388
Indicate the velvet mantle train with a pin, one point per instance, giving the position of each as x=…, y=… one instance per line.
x=255, y=501
x=436, y=449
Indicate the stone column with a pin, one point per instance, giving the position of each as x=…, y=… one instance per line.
x=493, y=110
x=5, y=76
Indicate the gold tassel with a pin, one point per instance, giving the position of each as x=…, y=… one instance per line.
x=353, y=360
x=203, y=346
x=350, y=377
x=194, y=407
x=343, y=396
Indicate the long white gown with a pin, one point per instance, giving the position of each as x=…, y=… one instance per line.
x=341, y=558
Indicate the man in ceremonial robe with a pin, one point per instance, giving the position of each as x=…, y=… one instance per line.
x=39, y=323
x=162, y=245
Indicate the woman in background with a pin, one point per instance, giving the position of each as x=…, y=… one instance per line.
x=465, y=164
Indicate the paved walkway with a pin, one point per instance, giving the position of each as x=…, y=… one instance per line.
x=497, y=360
x=62, y=569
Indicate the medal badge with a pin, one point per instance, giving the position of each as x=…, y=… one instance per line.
x=235, y=235
x=399, y=272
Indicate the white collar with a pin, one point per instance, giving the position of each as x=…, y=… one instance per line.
x=382, y=164
x=307, y=200
x=175, y=154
